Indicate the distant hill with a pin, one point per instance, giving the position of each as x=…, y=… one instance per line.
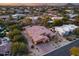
x=37, y=4
x=30, y=4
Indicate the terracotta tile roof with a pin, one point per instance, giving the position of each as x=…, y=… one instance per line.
x=39, y=33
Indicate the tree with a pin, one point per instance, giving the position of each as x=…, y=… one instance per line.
x=14, y=48
x=15, y=26
x=16, y=32
x=76, y=32
x=43, y=10
x=13, y=33
x=57, y=22
x=19, y=48
x=65, y=19
x=23, y=48
x=26, y=21
x=1, y=22
x=76, y=10
x=74, y=51
x=49, y=25
x=77, y=20
x=9, y=23
x=10, y=35
x=19, y=38
x=10, y=17
x=43, y=20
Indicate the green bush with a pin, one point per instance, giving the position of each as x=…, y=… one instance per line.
x=76, y=32
x=58, y=22
x=13, y=33
x=19, y=48
x=19, y=38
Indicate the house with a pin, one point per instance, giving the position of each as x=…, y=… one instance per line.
x=69, y=11
x=26, y=11
x=65, y=29
x=3, y=8
x=1, y=28
x=55, y=17
x=4, y=46
x=71, y=16
x=16, y=16
x=4, y=17
x=39, y=34
x=50, y=22
x=19, y=11
x=34, y=19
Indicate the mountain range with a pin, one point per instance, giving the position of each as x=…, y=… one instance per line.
x=36, y=4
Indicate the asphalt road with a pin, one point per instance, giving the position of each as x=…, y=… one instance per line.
x=63, y=51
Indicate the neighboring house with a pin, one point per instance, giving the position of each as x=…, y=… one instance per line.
x=39, y=34
x=5, y=17
x=3, y=8
x=50, y=21
x=19, y=11
x=65, y=29
x=12, y=9
x=26, y=11
x=70, y=11
x=56, y=18
x=34, y=19
x=71, y=16
x=15, y=16
x=1, y=28
x=5, y=46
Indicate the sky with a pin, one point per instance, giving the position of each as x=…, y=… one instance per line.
x=38, y=1
x=33, y=2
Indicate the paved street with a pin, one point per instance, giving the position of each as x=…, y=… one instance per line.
x=63, y=51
